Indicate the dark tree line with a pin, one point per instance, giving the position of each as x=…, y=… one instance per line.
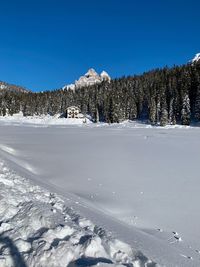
x=161, y=96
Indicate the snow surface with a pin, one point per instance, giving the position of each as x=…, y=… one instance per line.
x=105, y=76
x=137, y=183
x=38, y=229
x=42, y=120
x=196, y=58
x=69, y=86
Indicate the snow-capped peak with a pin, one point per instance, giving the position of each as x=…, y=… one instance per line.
x=196, y=58
x=91, y=77
x=104, y=75
x=91, y=73
x=69, y=86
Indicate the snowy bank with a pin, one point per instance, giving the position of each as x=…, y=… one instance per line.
x=47, y=120
x=43, y=120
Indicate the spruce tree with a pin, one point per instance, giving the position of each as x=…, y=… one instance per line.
x=185, y=112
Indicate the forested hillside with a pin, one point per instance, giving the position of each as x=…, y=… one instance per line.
x=12, y=87
x=160, y=96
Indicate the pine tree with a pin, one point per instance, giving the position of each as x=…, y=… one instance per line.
x=164, y=112
x=197, y=105
x=152, y=111
x=185, y=112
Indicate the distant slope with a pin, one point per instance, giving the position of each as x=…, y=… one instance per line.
x=196, y=58
x=11, y=87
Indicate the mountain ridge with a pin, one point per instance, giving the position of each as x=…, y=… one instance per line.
x=4, y=86
x=196, y=58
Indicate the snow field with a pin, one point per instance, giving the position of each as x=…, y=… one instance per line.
x=37, y=228
x=138, y=182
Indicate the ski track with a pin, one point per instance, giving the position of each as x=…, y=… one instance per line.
x=37, y=228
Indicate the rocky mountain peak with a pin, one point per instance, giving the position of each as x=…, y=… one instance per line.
x=104, y=75
x=91, y=77
x=91, y=73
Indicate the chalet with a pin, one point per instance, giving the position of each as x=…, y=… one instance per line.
x=73, y=112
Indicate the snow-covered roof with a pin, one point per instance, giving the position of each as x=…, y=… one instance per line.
x=73, y=107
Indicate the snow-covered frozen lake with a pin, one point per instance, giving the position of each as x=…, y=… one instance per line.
x=147, y=178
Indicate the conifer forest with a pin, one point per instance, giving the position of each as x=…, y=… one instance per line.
x=160, y=97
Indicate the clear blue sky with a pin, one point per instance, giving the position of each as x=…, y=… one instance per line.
x=48, y=43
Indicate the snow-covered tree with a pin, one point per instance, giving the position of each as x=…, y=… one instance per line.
x=185, y=112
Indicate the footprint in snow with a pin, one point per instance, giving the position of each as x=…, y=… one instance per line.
x=176, y=237
x=175, y=233
x=188, y=257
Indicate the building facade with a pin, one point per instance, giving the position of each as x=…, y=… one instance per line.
x=73, y=112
